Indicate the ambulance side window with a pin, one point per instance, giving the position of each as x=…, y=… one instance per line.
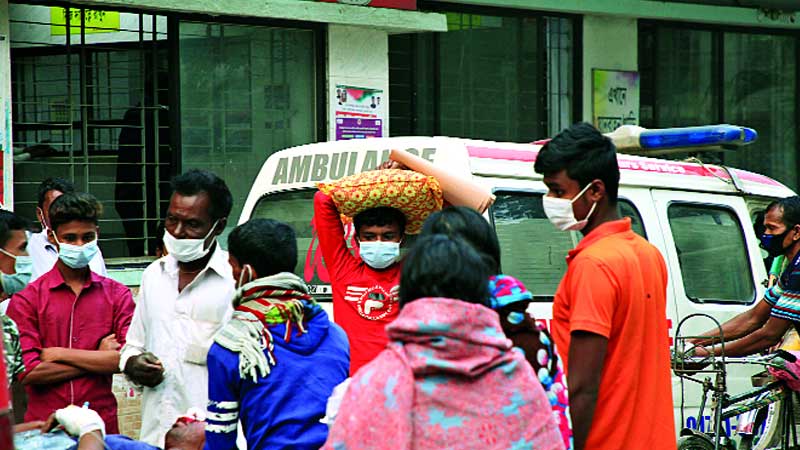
x=711, y=250
x=295, y=209
x=532, y=249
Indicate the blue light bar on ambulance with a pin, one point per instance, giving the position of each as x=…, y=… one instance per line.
x=633, y=139
x=717, y=135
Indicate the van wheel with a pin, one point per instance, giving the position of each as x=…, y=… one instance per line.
x=694, y=443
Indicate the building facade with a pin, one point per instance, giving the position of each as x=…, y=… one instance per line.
x=121, y=95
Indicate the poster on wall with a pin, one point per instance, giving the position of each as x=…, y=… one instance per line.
x=397, y=4
x=359, y=112
x=95, y=21
x=615, y=99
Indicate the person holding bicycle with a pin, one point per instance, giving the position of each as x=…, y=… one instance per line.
x=763, y=326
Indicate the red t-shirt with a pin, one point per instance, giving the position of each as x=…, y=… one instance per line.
x=364, y=299
x=616, y=286
x=49, y=315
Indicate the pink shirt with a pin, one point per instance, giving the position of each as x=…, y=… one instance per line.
x=49, y=314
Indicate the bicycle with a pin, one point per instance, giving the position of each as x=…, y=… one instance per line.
x=766, y=403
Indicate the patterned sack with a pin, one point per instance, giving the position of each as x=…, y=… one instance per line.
x=414, y=194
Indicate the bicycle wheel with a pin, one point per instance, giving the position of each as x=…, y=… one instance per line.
x=770, y=436
x=694, y=443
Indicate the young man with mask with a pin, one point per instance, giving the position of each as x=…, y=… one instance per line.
x=15, y=264
x=365, y=288
x=15, y=273
x=72, y=320
x=185, y=298
x=42, y=247
x=765, y=324
x=259, y=365
x=609, y=310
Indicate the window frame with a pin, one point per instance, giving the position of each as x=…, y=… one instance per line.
x=576, y=104
x=717, y=63
x=748, y=255
x=171, y=45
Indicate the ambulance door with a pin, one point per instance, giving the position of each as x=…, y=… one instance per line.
x=715, y=268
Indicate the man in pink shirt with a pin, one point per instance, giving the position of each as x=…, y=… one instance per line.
x=72, y=321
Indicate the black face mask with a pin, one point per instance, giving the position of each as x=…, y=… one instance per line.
x=773, y=243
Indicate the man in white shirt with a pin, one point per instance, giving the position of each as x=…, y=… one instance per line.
x=42, y=250
x=185, y=298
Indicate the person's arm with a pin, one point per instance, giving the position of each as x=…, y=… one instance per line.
x=330, y=231
x=51, y=373
x=587, y=352
x=82, y=423
x=92, y=440
x=741, y=325
x=93, y=361
x=124, y=308
x=134, y=337
x=23, y=312
x=759, y=340
x=222, y=413
x=595, y=294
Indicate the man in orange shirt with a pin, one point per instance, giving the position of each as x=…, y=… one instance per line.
x=609, y=313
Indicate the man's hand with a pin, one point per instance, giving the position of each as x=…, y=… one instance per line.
x=50, y=354
x=145, y=369
x=391, y=165
x=700, y=352
x=109, y=343
x=79, y=421
x=28, y=426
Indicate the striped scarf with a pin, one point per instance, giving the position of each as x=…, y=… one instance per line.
x=259, y=304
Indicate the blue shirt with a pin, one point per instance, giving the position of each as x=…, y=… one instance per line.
x=283, y=409
x=784, y=296
x=122, y=442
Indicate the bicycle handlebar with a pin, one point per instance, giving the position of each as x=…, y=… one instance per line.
x=759, y=359
x=684, y=364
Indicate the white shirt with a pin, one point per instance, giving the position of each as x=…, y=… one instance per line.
x=44, y=256
x=179, y=329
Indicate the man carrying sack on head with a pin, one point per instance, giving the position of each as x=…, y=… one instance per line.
x=384, y=206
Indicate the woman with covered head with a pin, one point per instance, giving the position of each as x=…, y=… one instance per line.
x=510, y=298
x=449, y=377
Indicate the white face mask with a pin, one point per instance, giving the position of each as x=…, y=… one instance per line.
x=378, y=254
x=561, y=214
x=188, y=250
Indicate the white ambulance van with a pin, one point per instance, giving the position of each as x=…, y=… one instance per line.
x=699, y=216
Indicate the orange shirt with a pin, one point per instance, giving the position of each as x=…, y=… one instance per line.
x=615, y=286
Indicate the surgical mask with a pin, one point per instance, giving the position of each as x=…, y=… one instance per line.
x=379, y=254
x=77, y=256
x=561, y=214
x=23, y=266
x=773, y=243
x=188, y=250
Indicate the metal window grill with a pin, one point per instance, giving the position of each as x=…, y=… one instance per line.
x=440, y=83
x=90, y=104
x=560, y=91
